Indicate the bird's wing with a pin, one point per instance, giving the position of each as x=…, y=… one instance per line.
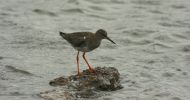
x=77, y=39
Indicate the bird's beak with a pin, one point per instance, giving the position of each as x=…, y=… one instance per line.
x=110, y=40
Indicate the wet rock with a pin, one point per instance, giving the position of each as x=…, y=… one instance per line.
x=105, y=78
x=89, y=85
x=61, y=81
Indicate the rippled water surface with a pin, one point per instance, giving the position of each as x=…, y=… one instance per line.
x=152, y=52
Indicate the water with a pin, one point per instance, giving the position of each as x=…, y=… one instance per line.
x=152, y=54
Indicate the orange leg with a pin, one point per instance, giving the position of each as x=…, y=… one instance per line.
x=90, y=68
x=78, y=70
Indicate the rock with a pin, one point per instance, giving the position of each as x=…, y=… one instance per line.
x=61, y=81
x=89, y=85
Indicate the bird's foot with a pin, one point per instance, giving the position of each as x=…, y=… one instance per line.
x=92, y=70
x=80, y=74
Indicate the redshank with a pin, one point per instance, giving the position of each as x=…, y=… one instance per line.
x=85, y=42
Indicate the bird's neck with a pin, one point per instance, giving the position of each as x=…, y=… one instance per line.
x=98, y=38
x=98, y=41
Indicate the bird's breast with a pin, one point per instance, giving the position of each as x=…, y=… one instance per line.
x=88, y=46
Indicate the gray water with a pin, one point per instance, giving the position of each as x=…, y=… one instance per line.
x=152, y=52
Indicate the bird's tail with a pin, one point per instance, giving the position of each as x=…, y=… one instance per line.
x=64, y=35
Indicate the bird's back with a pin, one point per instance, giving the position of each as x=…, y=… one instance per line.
x=79, y=40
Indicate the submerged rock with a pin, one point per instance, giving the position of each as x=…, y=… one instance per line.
x=89, y=85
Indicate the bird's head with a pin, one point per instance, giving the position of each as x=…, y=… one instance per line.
x=103, y=35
